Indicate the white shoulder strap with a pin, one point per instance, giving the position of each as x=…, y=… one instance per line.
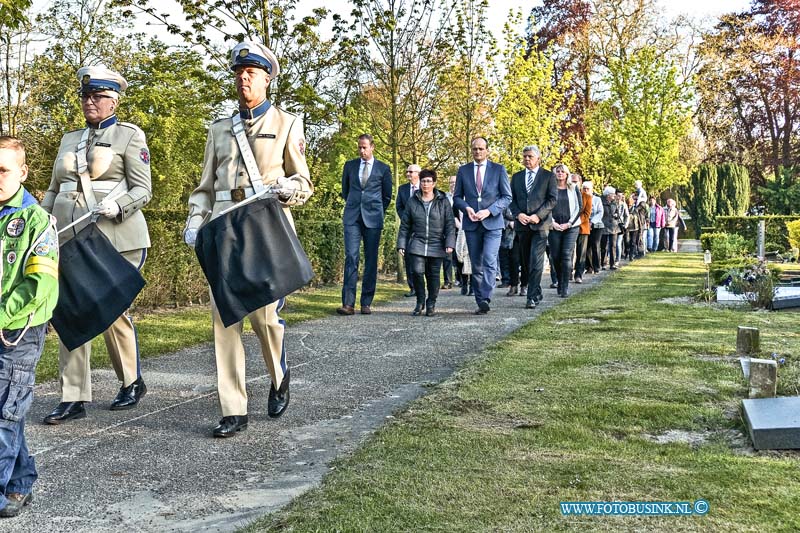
x=247, y=154
x=83, y=170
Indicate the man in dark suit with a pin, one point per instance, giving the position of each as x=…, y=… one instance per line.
x=482, y=193
x=404, y=194
x=367, y=191
x=534, y=195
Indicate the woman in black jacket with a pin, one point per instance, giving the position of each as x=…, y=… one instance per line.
x=427, y=233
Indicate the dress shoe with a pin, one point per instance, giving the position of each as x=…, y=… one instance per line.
x=366, y=310
x=430, y=310
x=410, y=293
x=480, y=311
x=512, y=291
x=523, y=291
x=230, y=426
x=129, y=396
x=346, y=310
x=278, y=398
x=530, y=304
x=16, y=503
x=483, y=307
x=66, y=411
x=418, y=310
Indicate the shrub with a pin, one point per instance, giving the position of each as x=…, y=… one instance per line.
x=793, y=228
x=757, y=282
x=723, y=245
x=747, y=227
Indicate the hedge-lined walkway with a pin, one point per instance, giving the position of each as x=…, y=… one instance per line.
x=156, y=468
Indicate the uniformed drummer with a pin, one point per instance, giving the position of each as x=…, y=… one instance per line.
x=107, y=158
x=276, y=141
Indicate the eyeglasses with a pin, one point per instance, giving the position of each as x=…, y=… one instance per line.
x=426, y=180
x=95, y=97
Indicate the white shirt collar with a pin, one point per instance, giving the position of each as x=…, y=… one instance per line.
x=533, y=171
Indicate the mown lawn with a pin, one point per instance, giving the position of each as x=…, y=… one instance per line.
x=164, y=331
x=569, y=409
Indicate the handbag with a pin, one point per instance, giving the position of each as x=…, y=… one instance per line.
x=251, y=257
x=96, y=285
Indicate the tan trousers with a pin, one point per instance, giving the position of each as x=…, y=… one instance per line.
x=75, y=368
x=229, y=350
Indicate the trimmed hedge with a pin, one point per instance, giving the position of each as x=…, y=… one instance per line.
x=746, y=226
x=174, y=277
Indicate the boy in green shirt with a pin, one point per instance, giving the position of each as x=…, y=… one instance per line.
x=28, y=294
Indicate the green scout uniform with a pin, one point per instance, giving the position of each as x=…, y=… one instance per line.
x=29, y=283
x=28, y=262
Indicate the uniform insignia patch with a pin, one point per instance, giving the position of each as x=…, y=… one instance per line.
x=302, y=146
x=104, y=145
x=15, y=227
x=265, y=136
x=42, y=249
x=11, y=257
x=144, y=155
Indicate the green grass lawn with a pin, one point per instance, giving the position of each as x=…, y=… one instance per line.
x=161, y=332
x=568, y=409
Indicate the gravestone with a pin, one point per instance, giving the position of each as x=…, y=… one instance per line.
x=773, y=423
x=763, y=378
x=747, y=341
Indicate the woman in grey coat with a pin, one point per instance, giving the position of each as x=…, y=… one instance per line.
x=427, y=233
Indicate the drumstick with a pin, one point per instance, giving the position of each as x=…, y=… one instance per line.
x=256, y=196
x=110, y=198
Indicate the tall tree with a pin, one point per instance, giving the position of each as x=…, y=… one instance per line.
x=466, y=96
x=636, y=132
x=749, y=88
x=532, y=108
x=15, y=40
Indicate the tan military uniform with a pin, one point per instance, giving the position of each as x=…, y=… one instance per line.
x=117, y=153
x=278, y=144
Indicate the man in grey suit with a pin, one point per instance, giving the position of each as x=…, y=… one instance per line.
x=404, y=194
x=367, y=191
x=534, y=195
x=482, y=193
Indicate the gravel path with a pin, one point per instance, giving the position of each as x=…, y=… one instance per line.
x=156, y=468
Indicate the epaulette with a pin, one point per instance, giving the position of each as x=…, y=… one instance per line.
x=295, y=115
x=134, y=127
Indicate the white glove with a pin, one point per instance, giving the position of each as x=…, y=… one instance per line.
x=286, y=187
x=190, y=236
x=108, y=209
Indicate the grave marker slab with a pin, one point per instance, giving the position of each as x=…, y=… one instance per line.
x=773, y=423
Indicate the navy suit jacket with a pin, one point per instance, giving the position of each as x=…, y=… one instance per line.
x=495, y=195
x=540, y=202
x=403, y=196
x=371, y=201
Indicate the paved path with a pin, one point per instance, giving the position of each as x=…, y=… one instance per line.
x=156, y=468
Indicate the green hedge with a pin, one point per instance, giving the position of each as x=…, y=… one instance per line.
x=747, y=227
x=174, y=277
x=723, y=246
